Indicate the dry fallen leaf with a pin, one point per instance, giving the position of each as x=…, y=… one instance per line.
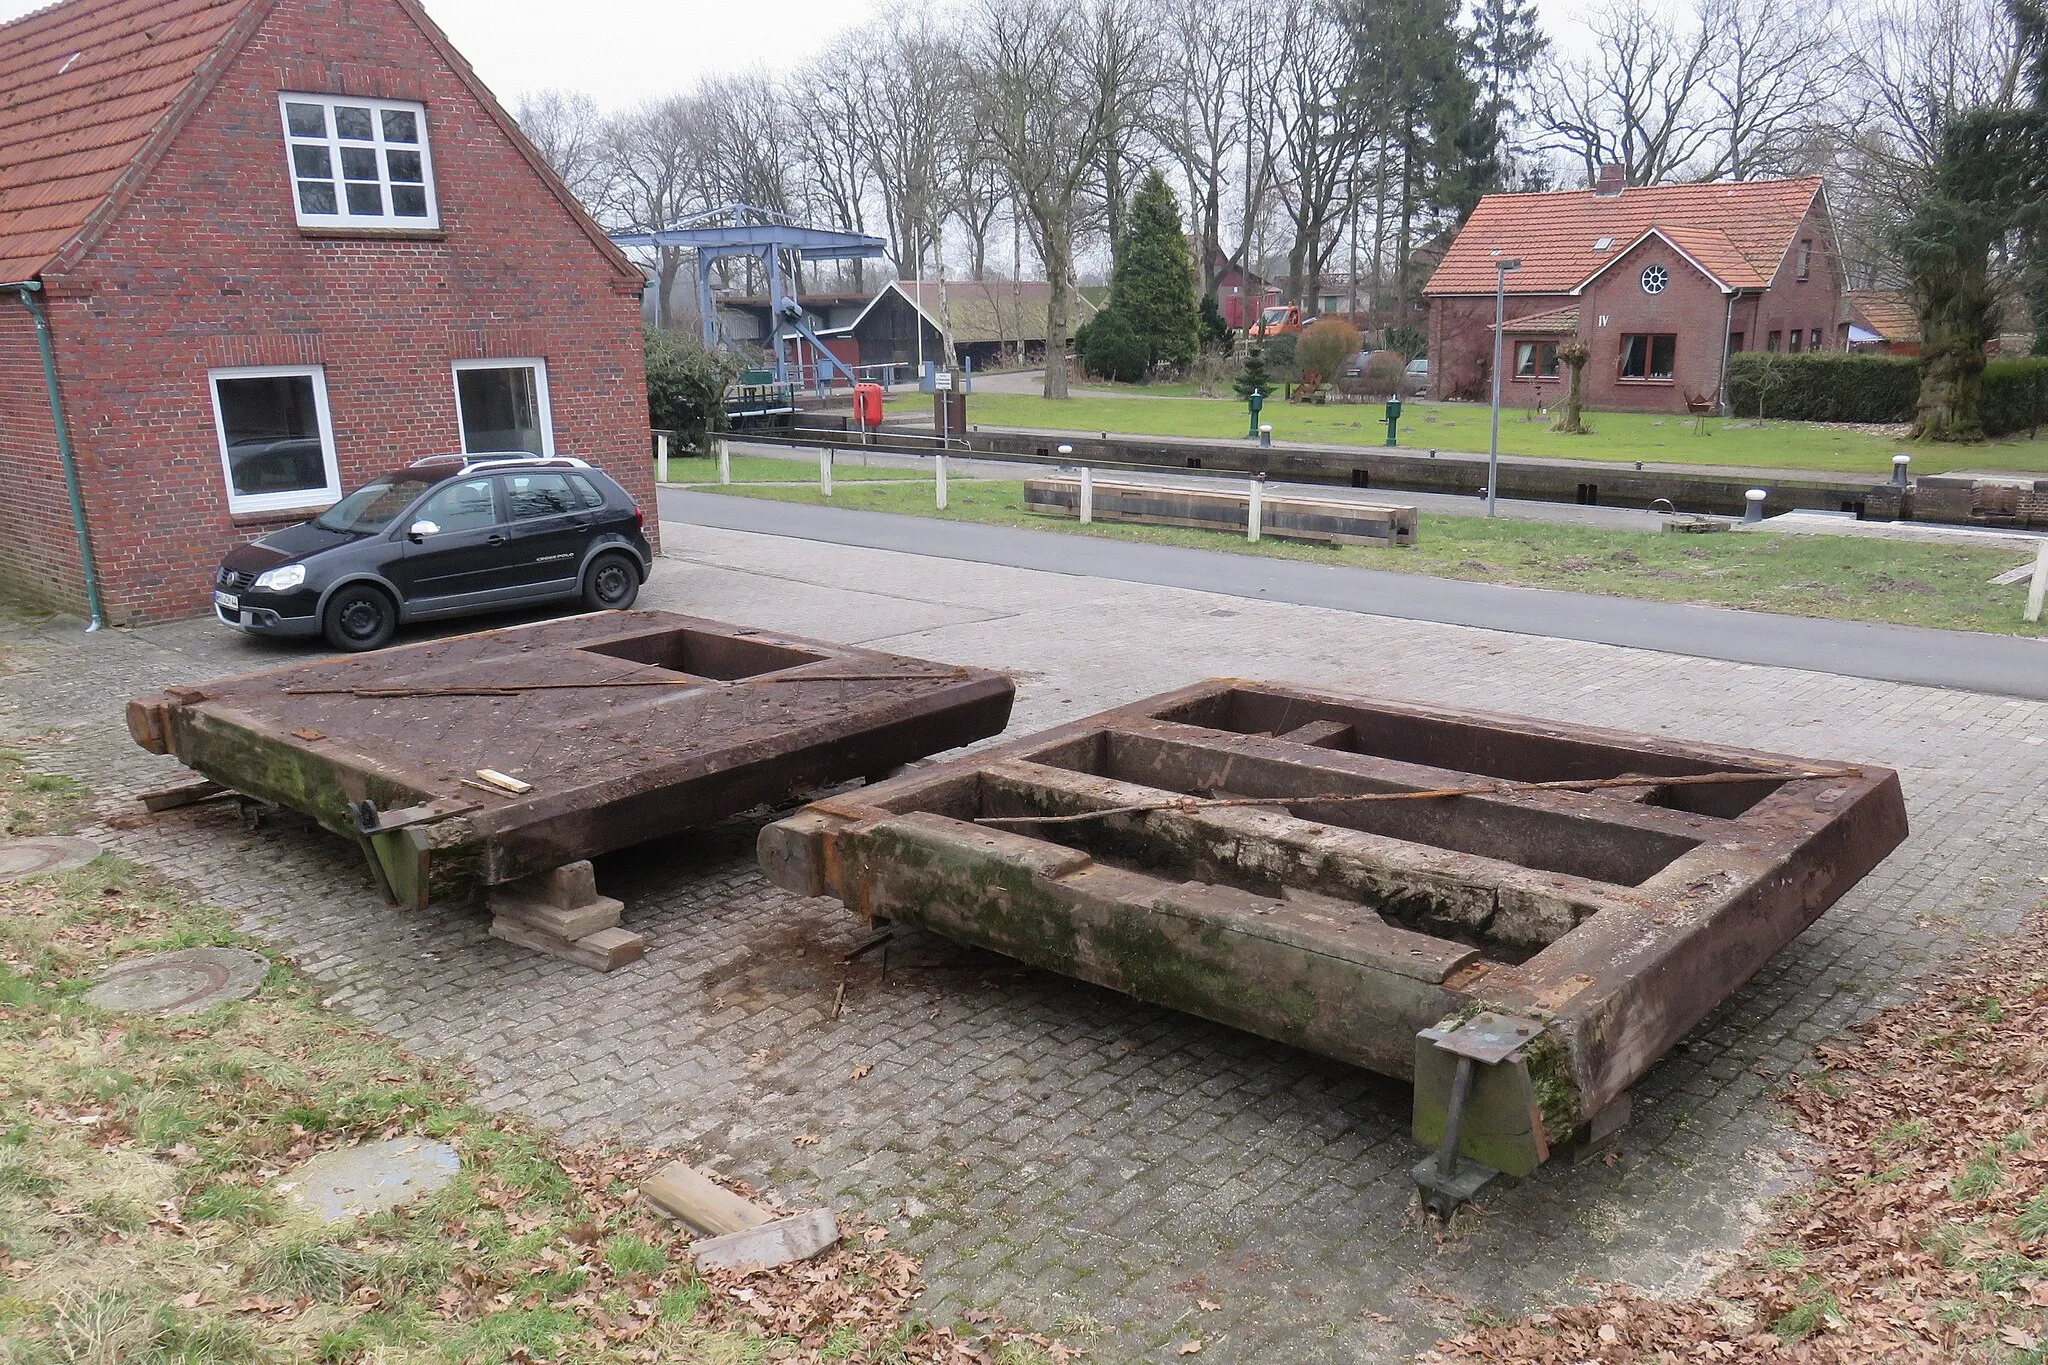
x=1207, y=1305
x=1190, y=1348
x=806, y=1139
x=859, y=1072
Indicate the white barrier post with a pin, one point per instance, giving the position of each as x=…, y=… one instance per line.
x=1087, y=495
x=661, y=453
x=942, y=480
x=2038, y=586
x=724, y=462
x=1254, y=511
x=825, y=470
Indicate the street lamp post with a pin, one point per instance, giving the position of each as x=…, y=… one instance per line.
x=1502, y=266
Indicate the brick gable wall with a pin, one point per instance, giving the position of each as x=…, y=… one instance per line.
x=206, y=267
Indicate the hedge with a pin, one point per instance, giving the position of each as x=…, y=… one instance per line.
x=2015, y=395
x=1824, y=386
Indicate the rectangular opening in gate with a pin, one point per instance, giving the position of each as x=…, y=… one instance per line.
x=1548, y=841
x=1471, y=747
x=703, y=654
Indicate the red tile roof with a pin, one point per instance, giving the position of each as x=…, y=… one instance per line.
x=83, y=85
x=1736, y=231
x=1886, y=312
x=1552, y=322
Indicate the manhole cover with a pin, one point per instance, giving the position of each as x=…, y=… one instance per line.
x=373, y=1176
x=47, y=853
x=180, y=982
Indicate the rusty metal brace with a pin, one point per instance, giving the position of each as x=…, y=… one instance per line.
x=367, y=824
x=1447, y=1179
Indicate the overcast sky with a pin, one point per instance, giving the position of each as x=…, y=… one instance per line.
x=624, y=51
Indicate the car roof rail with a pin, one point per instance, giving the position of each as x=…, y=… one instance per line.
x=498, y=459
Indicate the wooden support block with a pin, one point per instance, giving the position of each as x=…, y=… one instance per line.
x=565, y=887
x=682, y=1191
x=795, y=1238
x=601, y=912
x=606, y=950
x=184, y=794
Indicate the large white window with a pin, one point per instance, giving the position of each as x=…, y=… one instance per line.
x=503, y=406
x=359, y=163
x=276, y=443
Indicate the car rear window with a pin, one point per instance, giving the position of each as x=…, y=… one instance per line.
x=541, y=495
x=589, y=492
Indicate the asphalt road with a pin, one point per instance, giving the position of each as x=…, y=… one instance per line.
x=1967, y=660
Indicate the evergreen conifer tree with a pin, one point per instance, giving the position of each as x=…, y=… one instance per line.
x=1153, y=288
x=1253, y=375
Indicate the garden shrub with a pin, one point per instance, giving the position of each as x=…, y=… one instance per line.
x=2015, y=395
x=1823, y=386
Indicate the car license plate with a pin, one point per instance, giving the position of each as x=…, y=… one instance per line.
x=227, y=601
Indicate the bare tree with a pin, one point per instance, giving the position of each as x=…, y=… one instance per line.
x=911, y=113
x=1208, y=49
x=655, y=158
x=567, y=129
x=1125, y=63
x=1322, y=132
x=1768, y=84
x=1639, y=97
x=833, y=139
x=1034, y=65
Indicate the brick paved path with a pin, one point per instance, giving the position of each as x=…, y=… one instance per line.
x=1060, y=1152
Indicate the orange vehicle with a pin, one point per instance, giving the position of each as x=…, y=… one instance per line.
x=1279, y=320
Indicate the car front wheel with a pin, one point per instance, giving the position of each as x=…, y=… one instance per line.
x=360, y=617
x=612, y=583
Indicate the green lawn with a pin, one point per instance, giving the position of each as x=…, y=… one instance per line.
x=1616, y=436
x=1852, y=579
x=800, y=467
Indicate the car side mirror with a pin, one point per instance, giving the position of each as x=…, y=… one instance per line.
x=422, y=529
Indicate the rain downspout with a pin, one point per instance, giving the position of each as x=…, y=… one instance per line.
x=31, y=298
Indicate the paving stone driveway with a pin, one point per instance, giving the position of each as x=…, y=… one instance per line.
x=1083, y=1162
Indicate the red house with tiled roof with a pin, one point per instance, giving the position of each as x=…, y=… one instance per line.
x=253, y=252
x=1662, y=283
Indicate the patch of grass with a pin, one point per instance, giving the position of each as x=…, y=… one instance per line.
x=1615, y=436
x=306, y=1268
x=679, y=1306
x=240, y=1205
x=1840, y=577
x=630, y=1255
x=1809, y=1316
x=1982, y=1176
x=800, y=468
x=1904, y=1133
x=2032, y=1221
x=1785, y=1258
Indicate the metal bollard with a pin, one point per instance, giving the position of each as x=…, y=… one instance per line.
x=825, y=470
x=1754, y=505
x=1265, y=433
x=942, y=480
x=1255, y=510
x=1087, y=495
x=1901, y=469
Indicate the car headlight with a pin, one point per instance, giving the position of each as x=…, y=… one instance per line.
x=282, y=580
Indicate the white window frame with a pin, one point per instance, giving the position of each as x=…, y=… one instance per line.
x=341, y=217
x=295, y=499
x=547, y=416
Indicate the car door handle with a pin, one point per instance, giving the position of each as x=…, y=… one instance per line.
x=494, y=539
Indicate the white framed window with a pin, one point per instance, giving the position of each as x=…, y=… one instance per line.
x=276, y=442
x=359, y=163
x=502, y=405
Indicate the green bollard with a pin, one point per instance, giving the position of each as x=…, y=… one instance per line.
x=1393, y=420
x=1255, y=402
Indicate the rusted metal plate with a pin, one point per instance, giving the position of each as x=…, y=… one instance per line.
x=624, y=726
x=1264, y=862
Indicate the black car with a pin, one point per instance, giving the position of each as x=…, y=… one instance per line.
x=447, y=536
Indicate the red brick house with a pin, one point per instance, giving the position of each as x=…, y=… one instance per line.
x=1662, y=282
x=275, y=247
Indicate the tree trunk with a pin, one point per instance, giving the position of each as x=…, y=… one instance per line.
x=669, y=264
x=1574, y=354
x=1059, y=278
x=1955, y=309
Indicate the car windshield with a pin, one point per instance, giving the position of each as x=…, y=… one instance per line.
x=371, y=508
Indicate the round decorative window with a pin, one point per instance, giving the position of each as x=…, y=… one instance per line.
x=1655, y=277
